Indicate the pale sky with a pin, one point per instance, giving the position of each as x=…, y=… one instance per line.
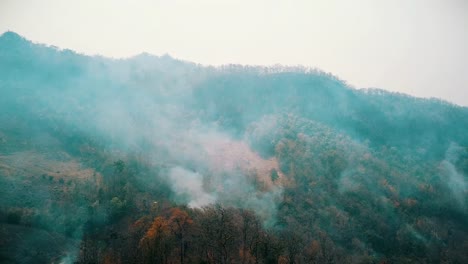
x=417, y=47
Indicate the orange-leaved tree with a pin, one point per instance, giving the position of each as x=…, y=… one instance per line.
x=155, y=243
x=180, y=224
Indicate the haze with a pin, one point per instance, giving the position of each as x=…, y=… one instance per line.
x=415, y=47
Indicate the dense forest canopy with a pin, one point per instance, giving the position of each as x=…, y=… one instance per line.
x=156, y=160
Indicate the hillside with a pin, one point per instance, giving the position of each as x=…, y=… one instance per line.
x=155, y=160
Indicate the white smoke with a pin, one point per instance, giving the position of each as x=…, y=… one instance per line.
x=455, y=180
x=189, y=186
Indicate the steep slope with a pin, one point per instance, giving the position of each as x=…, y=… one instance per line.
x=93, y=149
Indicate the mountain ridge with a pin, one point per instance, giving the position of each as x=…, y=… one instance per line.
x=17, y=38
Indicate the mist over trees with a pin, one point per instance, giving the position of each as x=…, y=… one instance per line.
x=156, y=160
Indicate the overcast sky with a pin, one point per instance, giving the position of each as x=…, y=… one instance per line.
x=417, y=47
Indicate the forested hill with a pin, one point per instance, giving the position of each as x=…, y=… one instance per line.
x=156, y=160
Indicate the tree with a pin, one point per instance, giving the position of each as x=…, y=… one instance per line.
x=156, y=241
x=180, y=223
x=219, y=231
x=250, y=231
